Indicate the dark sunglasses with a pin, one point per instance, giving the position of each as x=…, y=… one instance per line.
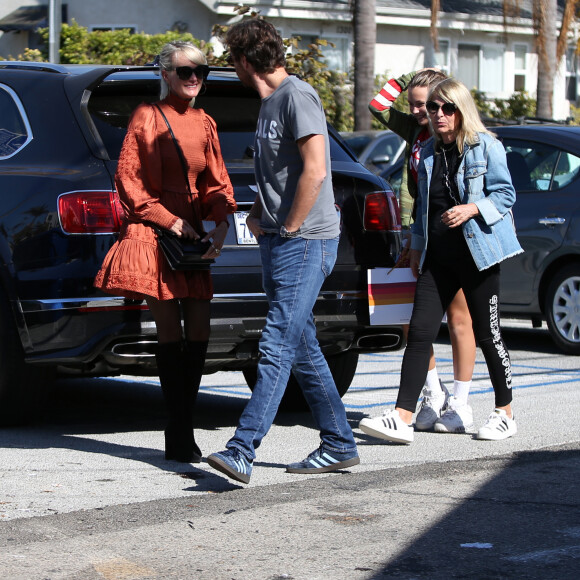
x=200, y=71
x=447, y=108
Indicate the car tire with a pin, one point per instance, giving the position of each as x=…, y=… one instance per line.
x=342, y=366
x=562, y=309
x=21, y=386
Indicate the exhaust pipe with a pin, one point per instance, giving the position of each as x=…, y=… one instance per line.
x=128, y=353
x=377, y=342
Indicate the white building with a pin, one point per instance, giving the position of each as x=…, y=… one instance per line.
x=474, y=43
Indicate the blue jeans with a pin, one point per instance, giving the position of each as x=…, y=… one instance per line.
x=293, y=271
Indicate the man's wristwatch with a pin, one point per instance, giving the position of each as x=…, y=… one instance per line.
x=284, y=233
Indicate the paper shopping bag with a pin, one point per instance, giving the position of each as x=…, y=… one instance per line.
x=391, y=293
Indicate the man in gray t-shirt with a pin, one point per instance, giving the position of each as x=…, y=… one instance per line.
x=291, y=112
x=297, y=227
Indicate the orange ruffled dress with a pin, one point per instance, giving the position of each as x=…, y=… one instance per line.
x=152, y=189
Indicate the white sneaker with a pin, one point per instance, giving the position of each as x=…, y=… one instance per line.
x=455, y=419
x=498, y=426
x=388, y=426
x=433, y=405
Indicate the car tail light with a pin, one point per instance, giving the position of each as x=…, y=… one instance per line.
x=381, y=212
x=90, y=212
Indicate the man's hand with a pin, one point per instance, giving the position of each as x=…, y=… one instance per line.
x=253, y=224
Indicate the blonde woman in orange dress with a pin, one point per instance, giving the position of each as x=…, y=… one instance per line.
x=153, y=191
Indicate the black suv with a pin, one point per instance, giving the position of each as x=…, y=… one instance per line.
x=61, y=130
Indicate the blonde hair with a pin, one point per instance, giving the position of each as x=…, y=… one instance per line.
x=454, y=91
x=194, y=54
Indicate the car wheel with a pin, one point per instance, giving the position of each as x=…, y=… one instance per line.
x=562, y=309
x=20, y=385
x=342, y=366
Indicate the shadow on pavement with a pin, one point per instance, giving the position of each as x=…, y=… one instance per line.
x=523, y=523
x=81, y=407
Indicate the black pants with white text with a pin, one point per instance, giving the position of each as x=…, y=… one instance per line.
x=437, y=285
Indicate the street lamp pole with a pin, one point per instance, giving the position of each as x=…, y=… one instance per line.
x=54, y=24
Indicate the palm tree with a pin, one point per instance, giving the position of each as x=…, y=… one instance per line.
x=365, y=37
x=544, y=15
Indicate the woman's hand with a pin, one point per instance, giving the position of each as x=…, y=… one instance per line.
x=182, y=229
x=414, y=260
x=218, y=236
x=459, y=214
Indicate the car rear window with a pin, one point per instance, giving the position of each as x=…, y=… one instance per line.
x=234, y=108
x=15, y=130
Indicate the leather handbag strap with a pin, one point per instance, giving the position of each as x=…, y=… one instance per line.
x=183, y=166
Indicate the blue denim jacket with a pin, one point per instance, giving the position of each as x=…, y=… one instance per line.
x=483, y=178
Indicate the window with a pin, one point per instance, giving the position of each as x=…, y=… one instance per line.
x=491, y=73
x=567, y=170
x=395, y=179
x=108, y=27
x=571, y=76
x=15, y=132
x=520, y=56
x=442, y=56
x=538, y=167
x=468, y=65
x=481, y=67
x=385, y=149
x=336, y=57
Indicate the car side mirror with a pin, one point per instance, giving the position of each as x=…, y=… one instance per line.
x=379, y=159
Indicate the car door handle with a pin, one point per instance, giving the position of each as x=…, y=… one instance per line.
x=552, y=221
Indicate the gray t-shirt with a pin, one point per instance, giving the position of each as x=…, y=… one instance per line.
x=291, y=112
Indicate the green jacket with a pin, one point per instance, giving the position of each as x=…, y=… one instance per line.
x=406, y=126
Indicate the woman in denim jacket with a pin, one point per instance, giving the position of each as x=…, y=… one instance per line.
x=463, y=230
x=439, y=411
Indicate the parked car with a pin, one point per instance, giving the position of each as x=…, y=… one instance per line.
x=376, y=150
x=543, y=283
x=61, y=131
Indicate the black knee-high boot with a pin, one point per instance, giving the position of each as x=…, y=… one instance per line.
x=172, y=368
x=194, y=354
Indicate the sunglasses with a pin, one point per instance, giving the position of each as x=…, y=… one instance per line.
x=184, y=72
x=447, y=108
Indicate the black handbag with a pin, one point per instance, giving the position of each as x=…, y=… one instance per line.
x=183, y=253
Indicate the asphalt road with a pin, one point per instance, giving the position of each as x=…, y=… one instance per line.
x=86, y=493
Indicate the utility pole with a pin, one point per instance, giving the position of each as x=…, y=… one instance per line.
x=54, y=24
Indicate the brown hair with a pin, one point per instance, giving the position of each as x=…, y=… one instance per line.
x=259, y=42
x=426, y=78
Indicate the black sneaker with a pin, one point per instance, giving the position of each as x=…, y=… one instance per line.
x=321, y=461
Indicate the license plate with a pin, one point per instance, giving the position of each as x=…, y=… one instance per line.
x=243, y=233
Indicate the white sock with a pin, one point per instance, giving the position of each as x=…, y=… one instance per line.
x=461, y=392
x=432, y=381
